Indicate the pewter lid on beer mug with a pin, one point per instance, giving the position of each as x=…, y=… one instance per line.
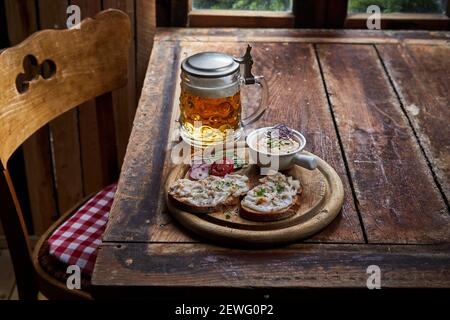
x=210, y=65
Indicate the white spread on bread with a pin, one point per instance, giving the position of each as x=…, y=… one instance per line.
x=276, y=192
x=211, y=191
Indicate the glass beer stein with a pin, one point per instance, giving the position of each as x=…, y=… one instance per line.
x=210, y=101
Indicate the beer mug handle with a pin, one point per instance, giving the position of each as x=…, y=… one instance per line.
x=263, y=104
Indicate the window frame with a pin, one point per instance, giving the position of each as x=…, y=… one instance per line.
x=424, y=21
x=240, y=19
x=200, y=18
x=305, y=14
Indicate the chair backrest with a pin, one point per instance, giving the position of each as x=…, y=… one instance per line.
x=53, y=71
x=46, y=75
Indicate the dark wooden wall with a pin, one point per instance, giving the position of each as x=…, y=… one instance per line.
x=61, y=163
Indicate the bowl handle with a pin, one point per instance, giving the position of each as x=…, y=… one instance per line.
x=307, y=162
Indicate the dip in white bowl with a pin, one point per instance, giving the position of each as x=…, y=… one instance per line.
x=276, y=145
x=280, y=152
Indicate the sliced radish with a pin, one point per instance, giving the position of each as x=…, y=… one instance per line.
x=199, y=171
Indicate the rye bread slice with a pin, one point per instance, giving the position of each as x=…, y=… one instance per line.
x=254, y=215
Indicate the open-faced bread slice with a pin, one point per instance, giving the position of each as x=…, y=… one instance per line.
x=254, y=215
x=208, y=195
x=273, y=199
x=180, y=203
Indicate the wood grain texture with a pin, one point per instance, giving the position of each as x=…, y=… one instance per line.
x=91, y=161
x=90, y=147
x=79, y=82
x=52, y=14
x=25, y=21
x=124, y=99
x=241, y=19
x=150, y=269
x=64, y=129
x=297, y=98
x=67, y=164
x=421, y=76
x=145, y=32
x=141, y=174
x=21, y=113
x=107, y=138
x=38, y=169
x=17, y=237
x=301, y=35
x=401, y=21
x=395, y=192
x=22, y=22
x=305, y=110
x=16, y=168
x=397, y=197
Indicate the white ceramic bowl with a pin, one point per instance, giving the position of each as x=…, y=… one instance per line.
x=280, y=162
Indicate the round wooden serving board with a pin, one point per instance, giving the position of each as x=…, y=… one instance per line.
x=318, y=204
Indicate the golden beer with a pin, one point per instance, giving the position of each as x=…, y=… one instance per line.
x=210, y=119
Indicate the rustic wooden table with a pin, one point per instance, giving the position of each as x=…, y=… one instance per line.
x=375, y=105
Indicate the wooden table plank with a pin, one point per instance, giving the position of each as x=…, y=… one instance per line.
x=306, y=110
x=301, y=35
x=141, y=176
x=397, y=197
x=298, y=98
x=156, y=267
x=421, y=75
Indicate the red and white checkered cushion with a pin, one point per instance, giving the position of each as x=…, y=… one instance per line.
x=76, y=241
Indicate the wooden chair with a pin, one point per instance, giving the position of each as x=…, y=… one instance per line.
x=48, y=74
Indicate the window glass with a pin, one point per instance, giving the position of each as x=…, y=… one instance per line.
x=257, y=5
x=403, y=6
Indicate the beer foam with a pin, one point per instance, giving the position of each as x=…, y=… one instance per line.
x=217, y=92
